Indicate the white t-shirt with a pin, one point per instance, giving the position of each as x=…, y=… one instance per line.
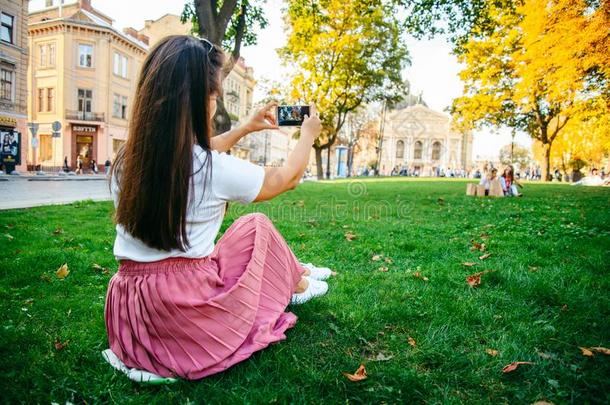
x=232, y=179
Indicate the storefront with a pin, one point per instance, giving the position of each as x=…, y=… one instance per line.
x=84, y=144
x=10, y=144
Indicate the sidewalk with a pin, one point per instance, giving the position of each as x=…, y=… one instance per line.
x=31, y=176
x=33, y=191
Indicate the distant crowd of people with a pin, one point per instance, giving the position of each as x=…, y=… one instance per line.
x=92, y=166
x=506, y=182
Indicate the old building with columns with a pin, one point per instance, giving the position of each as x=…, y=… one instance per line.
x=421, y=140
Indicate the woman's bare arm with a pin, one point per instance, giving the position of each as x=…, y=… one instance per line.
x=262, y=119
x=281, y=179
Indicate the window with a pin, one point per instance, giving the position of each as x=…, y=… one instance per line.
x=46, y=55
x=417, y=150
x=84, y=100
x=436, y=150
x=116, y=105
x=50, y=97
x=43, y=55
x=40, y=100
x=400, y=149
x=6, y=85
x=124, y=108
x=120, y=65
x=85, y=55
x=45, y=147
x=51, y=54
x=119, y=107
x=7, y=28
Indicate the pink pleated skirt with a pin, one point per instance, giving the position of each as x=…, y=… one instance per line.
x=191, y=318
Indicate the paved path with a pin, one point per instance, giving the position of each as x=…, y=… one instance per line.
x=31, y=192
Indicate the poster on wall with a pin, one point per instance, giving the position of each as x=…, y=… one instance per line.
x=10, y=154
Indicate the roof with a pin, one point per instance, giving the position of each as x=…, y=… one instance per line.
x=95, y=21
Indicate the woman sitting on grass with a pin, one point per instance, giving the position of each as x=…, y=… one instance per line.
x=509, y=184
x=180, y=305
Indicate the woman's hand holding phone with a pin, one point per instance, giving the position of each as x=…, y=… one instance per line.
x=263, y=118
x=312, y=126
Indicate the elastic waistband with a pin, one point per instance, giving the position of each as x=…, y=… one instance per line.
x=130, y=267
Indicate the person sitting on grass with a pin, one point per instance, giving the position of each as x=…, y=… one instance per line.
x=489, y=179
x=509, y=184
x=180, y=306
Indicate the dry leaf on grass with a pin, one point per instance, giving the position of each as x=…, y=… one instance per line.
x=58, y=231
x=417, y=274
x=514, y=365
x=477, y=246
x=350, y=236
x=59, y=345
x=533, y=269
x=376, y=258
x=485, y=256
x=586, y=352
x=411, y=341
x=542, y=403
x=474, y=280
x=383, y=269
x=359, y=375
x=388, y=260
x=491, y=352
x=469, y=264
x=63, y=271
x=601, y=350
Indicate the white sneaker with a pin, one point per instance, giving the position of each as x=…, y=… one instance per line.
x=134, y=374
x=315, y=288
x=317, y=273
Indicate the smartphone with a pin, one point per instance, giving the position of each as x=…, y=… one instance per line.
x=291, y=115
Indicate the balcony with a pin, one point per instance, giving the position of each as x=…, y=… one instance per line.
x=84, y=116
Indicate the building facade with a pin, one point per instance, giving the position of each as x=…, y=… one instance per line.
x=13, y=84
x=82, y=74
x=422, y=141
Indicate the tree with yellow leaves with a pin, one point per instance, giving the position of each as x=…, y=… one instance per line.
x=543, y=66
x=344, y=53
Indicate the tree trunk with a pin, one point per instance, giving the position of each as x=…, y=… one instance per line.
x=350, y=160
x=319, y=168
x=546, y=167
x=328, y=163
x=222, y=120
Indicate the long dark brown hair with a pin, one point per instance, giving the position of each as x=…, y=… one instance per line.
x=170, y=115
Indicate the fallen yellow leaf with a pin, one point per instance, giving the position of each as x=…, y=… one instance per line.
x=383, y=269
x=491, y=352
x=485, y=256
x=469, y=264
x=602, y=350
x=586, y=352
x=411, y=341
x=376, y=258
x=514, y=365
x=350, y=236
x=63, y=271
x=359, y=375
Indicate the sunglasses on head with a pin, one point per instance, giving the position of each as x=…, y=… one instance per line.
x=209, y=47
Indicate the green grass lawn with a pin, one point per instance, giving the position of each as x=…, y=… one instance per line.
x=547, y=294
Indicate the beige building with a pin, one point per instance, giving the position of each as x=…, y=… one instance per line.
x=421, y=140
x=238, y=86
x=82, y=73
x=13, y=88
